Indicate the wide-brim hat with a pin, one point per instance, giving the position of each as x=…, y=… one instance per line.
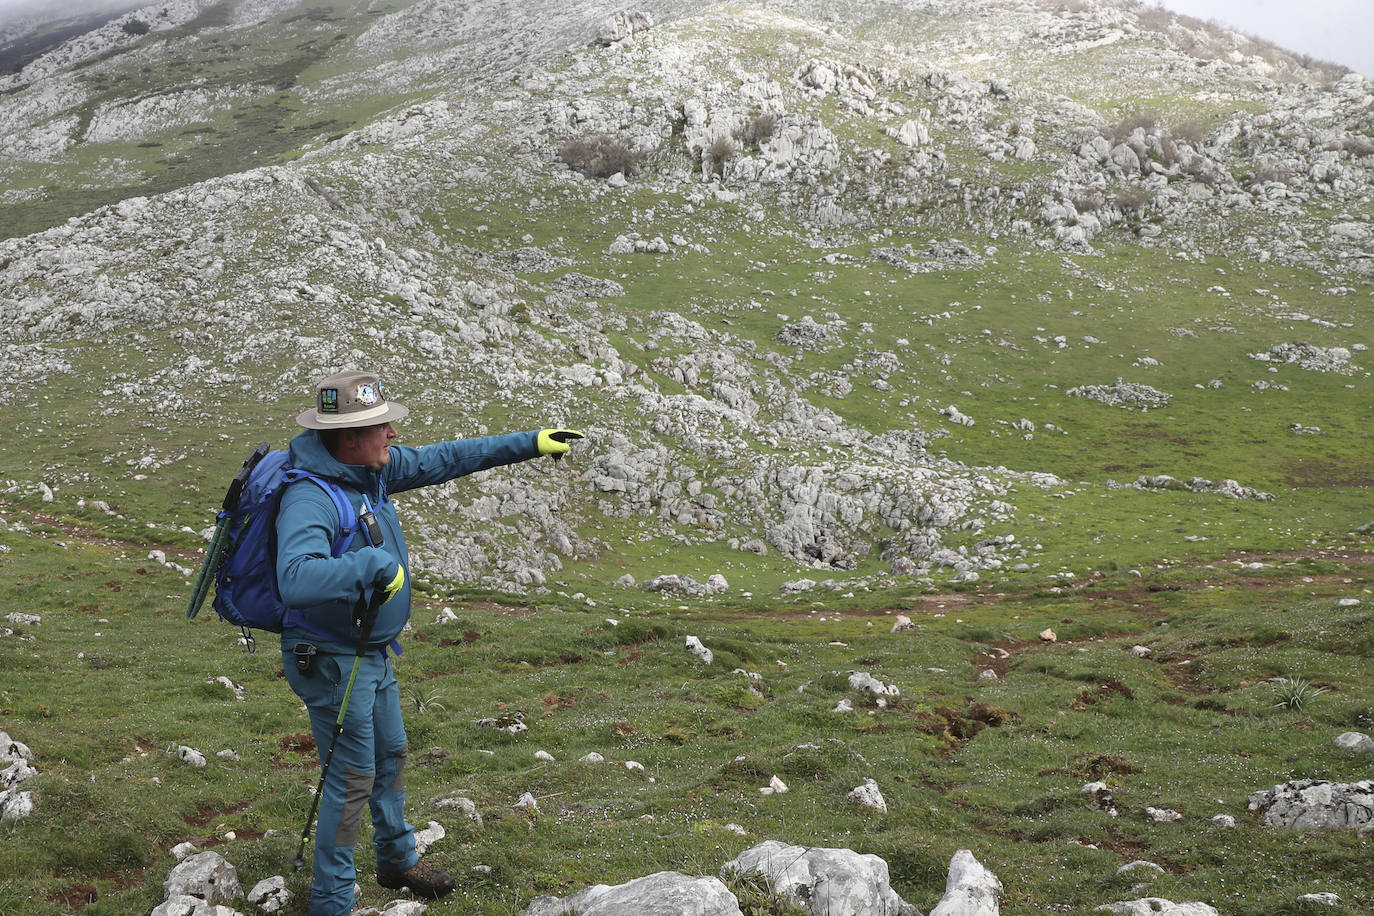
x=348, y=400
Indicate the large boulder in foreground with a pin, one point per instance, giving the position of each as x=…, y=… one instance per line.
x=666, y=893
x=824, y=881
x=970, y=890
x=207, y=876
x=1157, y=906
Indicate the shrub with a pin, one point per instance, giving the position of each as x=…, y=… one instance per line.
x=136, y=27
x=721, y=151
x=1202, y=171
x=601, y=156
x=1269, y=172
x=1191, y=131
x=1122, y=130
x=1089, y=202
x=1133, y=200
x=1357, y=146
x=1168, y=151
x=1154, y=19
x=758, y=130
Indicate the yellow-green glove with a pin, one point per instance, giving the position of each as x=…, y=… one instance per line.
x=555, y=441
x=397, y=582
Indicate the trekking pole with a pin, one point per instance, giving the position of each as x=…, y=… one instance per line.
x=364, y=616
x=214, y=554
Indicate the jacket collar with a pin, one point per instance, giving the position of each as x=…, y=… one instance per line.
x=309, y=454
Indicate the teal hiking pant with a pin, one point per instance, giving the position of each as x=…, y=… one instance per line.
x=367, y=772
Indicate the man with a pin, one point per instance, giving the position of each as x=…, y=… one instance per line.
x=348, y=439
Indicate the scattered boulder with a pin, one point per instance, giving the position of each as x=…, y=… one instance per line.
x=1140, y=865
x=970, y=889
x=686, y=586
x=862, y=680
x=427, y=837
x=207, y=876
x=1228, y=487
x=824, y=880
x=869, y=796
x=1315, y=803
x=186, y=905
x=1156, y=906
x=1130, y=395
x=696, y=648
x=15, y=805
x=1309, y=357
x=622, y=26
x=666, y=893
x=1355, y=741
x=1322, y=899
x=270, y=894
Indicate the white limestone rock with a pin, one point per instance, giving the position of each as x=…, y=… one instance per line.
x=696, y=648
x=664, y=893
x=270, y=894
x=1355, y=741
x=970, y=889
x=869, y=796
x=1315, y=803
x=824, y=880
x=1156, y=906
x=207, y=876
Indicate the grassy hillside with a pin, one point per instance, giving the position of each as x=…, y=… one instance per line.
x=854, y=332
x=963, y=762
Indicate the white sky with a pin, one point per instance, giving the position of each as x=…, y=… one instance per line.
x=1336, y=30
x=1341, y=31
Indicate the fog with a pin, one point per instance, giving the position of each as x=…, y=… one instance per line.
x=1333, y=30
x=60, y=9
x=1339, y=31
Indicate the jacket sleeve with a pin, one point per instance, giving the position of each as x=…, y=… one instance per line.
x=307, y=572
x=419, y=467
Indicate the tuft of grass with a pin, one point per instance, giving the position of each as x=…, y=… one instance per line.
x=757, y=897
x=1293, y=693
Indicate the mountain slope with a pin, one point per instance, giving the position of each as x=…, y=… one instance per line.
x=896, y=289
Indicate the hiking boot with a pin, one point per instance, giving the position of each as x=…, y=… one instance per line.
x=423, y=881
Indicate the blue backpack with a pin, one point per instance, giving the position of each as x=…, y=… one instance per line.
x=242, y=557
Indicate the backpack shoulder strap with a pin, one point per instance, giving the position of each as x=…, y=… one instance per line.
x=348, y=519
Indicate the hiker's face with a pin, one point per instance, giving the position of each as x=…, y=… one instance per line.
x=372, y=446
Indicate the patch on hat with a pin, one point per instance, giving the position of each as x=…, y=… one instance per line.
x=329, y=400
x=367, y=394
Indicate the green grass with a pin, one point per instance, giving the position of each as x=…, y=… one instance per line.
x=994, y=766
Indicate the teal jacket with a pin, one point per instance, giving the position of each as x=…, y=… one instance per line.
x=324, y=589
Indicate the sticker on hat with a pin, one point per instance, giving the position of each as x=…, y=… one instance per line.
x=329, y=400
x=367, y=395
